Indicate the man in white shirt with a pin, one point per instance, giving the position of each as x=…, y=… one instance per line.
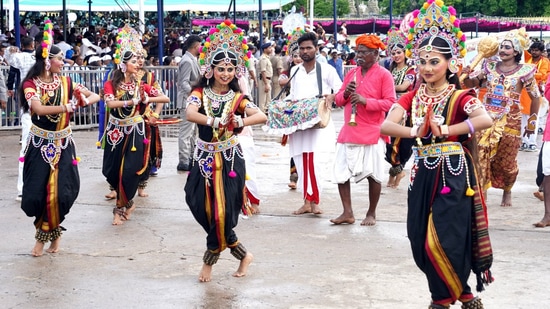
x=305, y=143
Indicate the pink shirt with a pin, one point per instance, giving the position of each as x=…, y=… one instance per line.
x=377, y=87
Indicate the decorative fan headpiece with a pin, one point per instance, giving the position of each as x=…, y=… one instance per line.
x=395, y=39
x=292, y=39
x=435, y=19
x=227, y=39
x=47, y=42
x=519, y=39
x=128, y=39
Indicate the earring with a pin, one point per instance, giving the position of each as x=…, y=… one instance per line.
x=48, y=65
x=453, y=65
x=123, y=67
x=209, y=74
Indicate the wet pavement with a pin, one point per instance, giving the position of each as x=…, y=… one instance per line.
x=153, y=260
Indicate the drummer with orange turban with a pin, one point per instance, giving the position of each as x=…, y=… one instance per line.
x=367, y=94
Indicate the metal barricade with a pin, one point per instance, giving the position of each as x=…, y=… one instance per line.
x=92, y=78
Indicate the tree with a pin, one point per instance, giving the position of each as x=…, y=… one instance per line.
x=322, y=8
x=505, y=8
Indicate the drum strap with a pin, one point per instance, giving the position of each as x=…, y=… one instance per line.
x=319, y=81
x=285, y=87
x=319, y=78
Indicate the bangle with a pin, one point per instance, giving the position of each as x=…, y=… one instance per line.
x=470, y=125
x=125, y=104
x=240, y=122
x=155, y=115
x=414, y=131
x=444, y=130
x=209, y=121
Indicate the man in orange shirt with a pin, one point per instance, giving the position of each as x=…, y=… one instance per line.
x=542, y=63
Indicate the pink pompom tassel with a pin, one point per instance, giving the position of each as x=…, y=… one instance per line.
x=445, y=190
x=146, y=141
x=21, y=159
x=232, y=174
x=75, y=162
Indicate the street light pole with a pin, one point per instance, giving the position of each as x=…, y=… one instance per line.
x=89, y=14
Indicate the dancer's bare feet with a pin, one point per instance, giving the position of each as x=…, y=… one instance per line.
x=118, y=216
x=243, y=266
x=206, y=273
x=305, y=209
x=142, y=193
x=506, y=199
x=111, y=195
x=54, y=246
x=343, y=219
x=391, y=182
x=369, y=220
x=38, y=249
x=292, y=185
x=398, y=179
x=255, y=208
x=129, y=212
x=539, y=195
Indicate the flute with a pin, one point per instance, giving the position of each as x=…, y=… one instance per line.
x=353, y=106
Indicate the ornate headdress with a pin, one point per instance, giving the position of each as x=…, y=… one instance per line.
x=128, y=39
x=395, y=39
x=292, y=39
x=519, y=39
x=225, y=38
x=47, y=42
x=435, y=19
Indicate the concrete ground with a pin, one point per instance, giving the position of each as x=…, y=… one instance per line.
x=303, y=261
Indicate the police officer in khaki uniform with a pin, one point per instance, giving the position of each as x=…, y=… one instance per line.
x=266, y=73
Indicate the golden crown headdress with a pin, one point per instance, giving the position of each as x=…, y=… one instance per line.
x=128, y=39
x=228, y=39
x=292, y=39
x=519, y=39
x=435, y=19
x=395, y=39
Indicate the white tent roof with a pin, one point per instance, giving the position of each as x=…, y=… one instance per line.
x=149, y=5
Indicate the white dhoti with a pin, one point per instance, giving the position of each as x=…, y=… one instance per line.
x=357, y=162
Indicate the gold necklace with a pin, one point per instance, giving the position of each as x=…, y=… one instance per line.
x=433, y=90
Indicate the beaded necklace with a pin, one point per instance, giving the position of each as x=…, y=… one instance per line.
x=128, y=87
x=226, y=100
x=422, y=101
x=218, y=100
x=49, y=95
x=399, y=75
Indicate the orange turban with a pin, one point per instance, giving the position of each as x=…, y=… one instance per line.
x=370, y=41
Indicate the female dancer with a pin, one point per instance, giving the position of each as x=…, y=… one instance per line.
x=126, y=154
x=446, y=221
x=215, y=185
x=152, y=131
x=50, y=176
x=399, y=150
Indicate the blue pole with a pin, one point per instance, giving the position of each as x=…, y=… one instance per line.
x=17, y=22
x=335, y=17
x=160, y=22
x=261, y=26
x=391, y=13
